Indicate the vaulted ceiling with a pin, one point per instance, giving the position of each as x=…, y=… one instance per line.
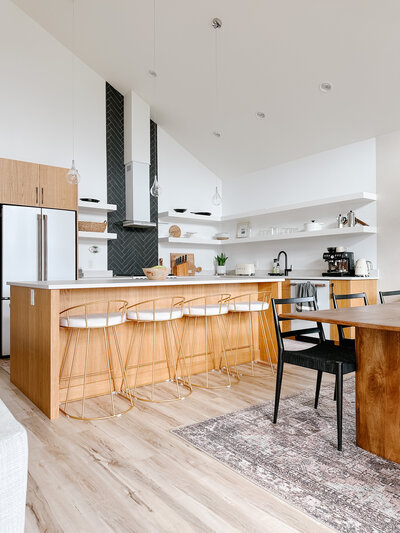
x=273, y=55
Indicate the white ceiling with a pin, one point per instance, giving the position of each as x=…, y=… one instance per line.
x=273, y=56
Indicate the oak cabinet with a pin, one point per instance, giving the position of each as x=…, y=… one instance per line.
x=369, y=286
x=55, y=191
x=19, y=182
x=31, y=184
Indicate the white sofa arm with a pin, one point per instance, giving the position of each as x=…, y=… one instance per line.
x=13, y=472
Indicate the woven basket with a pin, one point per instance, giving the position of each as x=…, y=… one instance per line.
x=98, y=227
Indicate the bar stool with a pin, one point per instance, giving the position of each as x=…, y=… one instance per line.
x=164, y=311
x=113, y=314
x=251, y=303
x=209, y=308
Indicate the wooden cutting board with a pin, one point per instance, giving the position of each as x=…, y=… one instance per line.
x=190, y=260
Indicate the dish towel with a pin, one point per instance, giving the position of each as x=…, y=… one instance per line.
x=303, y=290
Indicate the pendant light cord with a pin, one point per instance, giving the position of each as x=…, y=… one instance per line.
x=73, y=78
x=216, y=65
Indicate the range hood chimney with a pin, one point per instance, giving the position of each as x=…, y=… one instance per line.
x=137, y=162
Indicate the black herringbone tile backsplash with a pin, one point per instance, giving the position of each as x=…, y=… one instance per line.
x=134, y=248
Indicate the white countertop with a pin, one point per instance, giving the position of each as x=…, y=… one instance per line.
x=106, y=283
x=338, y=278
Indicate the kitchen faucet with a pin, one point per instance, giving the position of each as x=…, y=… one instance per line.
x=287, y=270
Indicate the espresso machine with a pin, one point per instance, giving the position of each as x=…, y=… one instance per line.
x=339, y=263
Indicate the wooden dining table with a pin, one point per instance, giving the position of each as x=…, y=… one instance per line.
x=378, y=372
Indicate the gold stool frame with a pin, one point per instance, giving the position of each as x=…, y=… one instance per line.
x=263, y=297
x=121, y=305
x=171, y=334
x=206, y=301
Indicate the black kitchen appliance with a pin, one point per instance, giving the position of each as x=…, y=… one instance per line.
x=339, y=263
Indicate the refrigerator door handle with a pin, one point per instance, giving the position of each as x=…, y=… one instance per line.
x=39, y=218
x=45, y=247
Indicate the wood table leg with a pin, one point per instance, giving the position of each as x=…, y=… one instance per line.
x=378, y=392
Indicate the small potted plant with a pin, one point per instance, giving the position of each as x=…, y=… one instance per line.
x=221, y=260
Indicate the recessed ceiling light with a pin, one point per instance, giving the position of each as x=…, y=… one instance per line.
x=216, y=23
x=153, y=73
x=217, y=133
x=260, y=114
x=325, y=86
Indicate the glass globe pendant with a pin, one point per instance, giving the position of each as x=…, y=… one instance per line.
x=216, y=199
x=73, y=176
x=155, y=188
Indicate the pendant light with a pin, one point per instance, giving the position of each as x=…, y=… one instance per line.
x=73, y=177
x=155, y=189
x=216, y=24
x=216, y=199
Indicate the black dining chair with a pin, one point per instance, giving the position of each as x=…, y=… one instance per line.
x=384, y=294
x=322, y=357
x=355, y=296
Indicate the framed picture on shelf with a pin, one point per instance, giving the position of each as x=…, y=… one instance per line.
x=243, y=230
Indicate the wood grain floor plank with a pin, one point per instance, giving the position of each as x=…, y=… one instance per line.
x=132, y=474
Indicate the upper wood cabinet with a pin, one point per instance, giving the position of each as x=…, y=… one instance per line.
x=55, y=191
x=19, y=182
x=36, y=185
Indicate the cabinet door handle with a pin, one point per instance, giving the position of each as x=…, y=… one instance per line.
x=37, y=195
x=42, y=196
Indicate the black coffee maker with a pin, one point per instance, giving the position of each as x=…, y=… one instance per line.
x=339, y=263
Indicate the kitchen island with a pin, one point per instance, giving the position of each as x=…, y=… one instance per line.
x=38, y=343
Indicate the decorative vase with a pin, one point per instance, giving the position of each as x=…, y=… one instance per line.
x=221, y=270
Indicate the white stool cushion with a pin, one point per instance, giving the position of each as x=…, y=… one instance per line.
x=246, y=307
x=94, y=320
x=159, y=315
x=13, y=472
x=208, y=310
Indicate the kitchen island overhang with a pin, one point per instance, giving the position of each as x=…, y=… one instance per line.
x=38, y=343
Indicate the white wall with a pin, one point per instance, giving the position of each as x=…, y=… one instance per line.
x=186, y=183
x=348, y=169
x=36, y=108
x=388, y=189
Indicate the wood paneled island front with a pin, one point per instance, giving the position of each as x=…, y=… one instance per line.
x=38, y=343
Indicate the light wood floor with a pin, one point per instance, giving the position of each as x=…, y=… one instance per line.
x=132, y=475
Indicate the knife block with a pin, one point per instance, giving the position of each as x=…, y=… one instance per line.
x=181, y=270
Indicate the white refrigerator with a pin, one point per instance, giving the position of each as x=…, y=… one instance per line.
x=36, y=245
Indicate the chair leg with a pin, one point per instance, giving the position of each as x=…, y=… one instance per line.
x=318, y=388
x=278, y=386
x=339, y=402
x=334, y=392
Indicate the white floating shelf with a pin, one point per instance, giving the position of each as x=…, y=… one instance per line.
x=182, y=240
x=188, y=217
x=96, y=207
x=93, y=235
x=342, y=232
x=321, y=207
x=312, y=209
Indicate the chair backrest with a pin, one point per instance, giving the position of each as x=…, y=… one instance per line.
x=167, y=304
x=353, y=296
x=383, y=294
x=280, y=335
x=250, y=298
x=106, y=307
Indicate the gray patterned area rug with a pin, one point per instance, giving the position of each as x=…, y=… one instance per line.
x=297, y=460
